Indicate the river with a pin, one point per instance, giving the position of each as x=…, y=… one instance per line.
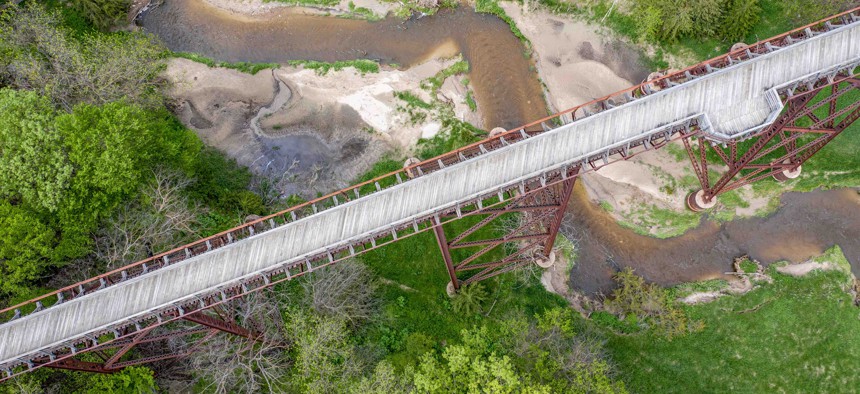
x=509, y=93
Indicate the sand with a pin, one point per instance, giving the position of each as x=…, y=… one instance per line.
x=310, y=133
x=576, y=61
x=579, y=62
x=802, y=269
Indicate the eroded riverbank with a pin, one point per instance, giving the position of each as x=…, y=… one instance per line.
x=509, y=94
x=505, y=85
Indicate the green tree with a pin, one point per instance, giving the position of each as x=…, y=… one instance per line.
x=25, y=248
x=111, y=149
x=383, y=380
x=705, y=16
x=649, y=24
x=34, y=168
x=131, y=380
x=103, y=14
x=471, y=367
x=739, y=19
x=554, y=354
x=325, y=360
x=650, y=305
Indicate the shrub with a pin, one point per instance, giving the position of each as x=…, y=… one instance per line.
x=650, y=305
x=344, y=290
x=469, y=299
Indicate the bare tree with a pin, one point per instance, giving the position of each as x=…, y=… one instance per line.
x=161, y=218
x=44, y=57
x=344, y=290
x=326, y=361
x=230, y=364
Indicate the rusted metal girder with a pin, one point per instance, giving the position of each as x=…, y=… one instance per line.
x=209, y=326
x=813, y=117
x=540, y=203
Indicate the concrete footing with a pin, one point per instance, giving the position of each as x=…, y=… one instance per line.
x=738, y=46
x=450, y=290
x=696, y=201
x=787, y=174
x=653, y=86
x=545, y=262
x=496, y=131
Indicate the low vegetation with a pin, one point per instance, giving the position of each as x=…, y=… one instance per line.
x=792, y=335
x=492, y=7
x=637, y=305
x=245, y=67
x=317, y=3
x=363, y=66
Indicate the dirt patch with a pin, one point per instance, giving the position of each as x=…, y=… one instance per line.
x=311, y=133
x=805, y=268
x=575, y=60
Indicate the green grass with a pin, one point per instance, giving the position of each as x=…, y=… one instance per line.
x=363, y=66
x=796, y=335
x=412, y=100
x=435, y=82
x=685, y=289
x=360, y=13
x=747, y=266
x=666, y=223
x=492, y=7
x=418, y=314
x=470, y=101
x=245, y=67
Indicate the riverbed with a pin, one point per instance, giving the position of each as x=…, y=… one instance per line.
x=503, y=77
x=509, y=93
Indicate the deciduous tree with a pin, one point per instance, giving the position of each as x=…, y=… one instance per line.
x=39, y=54
x=103, y=14
x=34, y=168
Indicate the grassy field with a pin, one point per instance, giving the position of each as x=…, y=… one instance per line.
x=795, y=335
x=418, y=314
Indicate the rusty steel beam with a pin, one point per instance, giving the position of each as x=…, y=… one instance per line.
x=543, y=200
x=222, y=325
x=783, y=135
x=207, y=324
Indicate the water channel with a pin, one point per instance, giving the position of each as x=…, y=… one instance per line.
x=508, y=90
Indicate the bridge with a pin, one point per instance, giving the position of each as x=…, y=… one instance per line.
x=763, y=109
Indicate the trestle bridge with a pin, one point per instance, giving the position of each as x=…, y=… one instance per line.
x=762, y=110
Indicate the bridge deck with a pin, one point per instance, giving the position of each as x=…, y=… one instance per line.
x=733, y=100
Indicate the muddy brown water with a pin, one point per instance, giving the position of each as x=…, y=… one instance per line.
x=503, y=77
x=805, y=225
x=509, y=93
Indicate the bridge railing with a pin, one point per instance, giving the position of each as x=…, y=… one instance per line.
x=377, y=184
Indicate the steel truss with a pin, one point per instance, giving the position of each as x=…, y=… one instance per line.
x=540, y=206
x=117, y=355
x=813, y=116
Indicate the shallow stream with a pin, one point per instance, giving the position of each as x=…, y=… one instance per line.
x=509, y=94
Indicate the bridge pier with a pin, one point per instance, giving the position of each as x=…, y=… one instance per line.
x=696, y=201
x=530, y=222
x=814, y=115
